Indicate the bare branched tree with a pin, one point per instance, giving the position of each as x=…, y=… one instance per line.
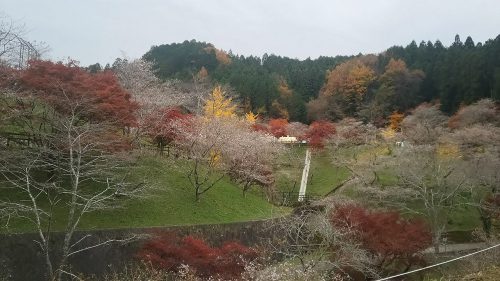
x=138, y=78
x=439, y=183
x=203, y=146
x=75, y=172
x=424, y=125
x=480, y=113
x=308, y=237
x=15, y=49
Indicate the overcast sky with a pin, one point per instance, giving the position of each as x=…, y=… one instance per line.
x=101, y=30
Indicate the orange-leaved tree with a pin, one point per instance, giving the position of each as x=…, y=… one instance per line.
x=395, y=120
x=277, y=127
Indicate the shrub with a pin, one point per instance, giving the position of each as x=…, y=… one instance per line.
x=169, y=252
x=391, y=239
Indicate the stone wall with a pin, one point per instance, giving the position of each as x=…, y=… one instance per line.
x=21, y=260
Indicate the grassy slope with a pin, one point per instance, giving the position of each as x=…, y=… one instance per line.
x=172, y=200
x=172, y=203
x=323, y=175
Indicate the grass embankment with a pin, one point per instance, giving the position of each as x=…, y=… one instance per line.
x=171, y=202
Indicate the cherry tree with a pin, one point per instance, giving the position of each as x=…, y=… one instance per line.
x=202, y=145
x=480, y=113
x=436, y=181
x=425, y=124
x=251, y=158
x=15, y=49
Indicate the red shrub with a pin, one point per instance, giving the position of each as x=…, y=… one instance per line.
x=169, y=252
x=384, y=233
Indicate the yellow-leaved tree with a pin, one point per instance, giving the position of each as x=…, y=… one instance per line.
x=251, y=118
x=219, y=105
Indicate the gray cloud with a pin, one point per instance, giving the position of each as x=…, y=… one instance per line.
x=99, y=30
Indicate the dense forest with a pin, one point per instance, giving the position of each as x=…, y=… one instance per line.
x=369, y=87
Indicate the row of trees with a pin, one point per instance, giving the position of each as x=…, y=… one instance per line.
x=442, y=164
x=369, y=87
x=274, y=85
x=63, y=152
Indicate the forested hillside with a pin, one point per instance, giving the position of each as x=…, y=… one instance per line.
x=369, y=87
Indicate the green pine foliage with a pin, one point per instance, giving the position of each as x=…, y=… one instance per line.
x=459, y=74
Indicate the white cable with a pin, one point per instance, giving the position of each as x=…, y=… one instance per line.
x=438, y=264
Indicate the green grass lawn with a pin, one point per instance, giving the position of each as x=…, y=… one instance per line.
x=172, y=202
x=172, y=199
x=323, y=174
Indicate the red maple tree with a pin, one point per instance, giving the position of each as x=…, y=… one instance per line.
x=68, y=87
x=392, y=239
x=168, y=252
x=318, y=132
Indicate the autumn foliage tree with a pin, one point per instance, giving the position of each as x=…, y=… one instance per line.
x=170, y=252
x=392, y=240
x=277, y=127
x=219, y=105
x=395, y=121
x=163, y=127
x=318, y=132
x=59, y=84
x=399, y=88
x=344, y=89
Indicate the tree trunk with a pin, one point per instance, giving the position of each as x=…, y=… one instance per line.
x=435, y=242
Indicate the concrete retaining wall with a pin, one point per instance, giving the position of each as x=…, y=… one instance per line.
x=21, y=259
